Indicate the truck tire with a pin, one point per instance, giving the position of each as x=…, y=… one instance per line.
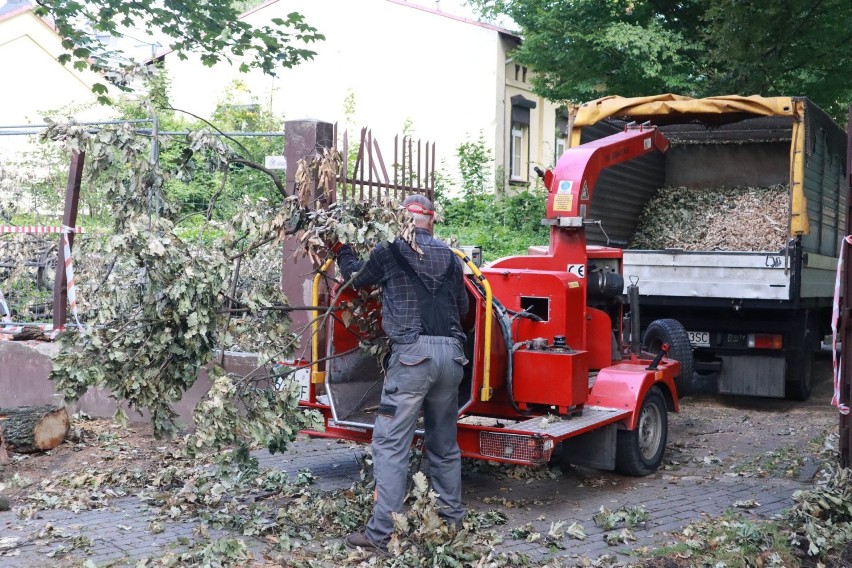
x=672, y=332
x=799, y=379
x=640, y=452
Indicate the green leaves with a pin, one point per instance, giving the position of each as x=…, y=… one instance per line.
x=213, y=29
x=154, y=306
x=631, y=517
x=821, y=518
x=586, y=49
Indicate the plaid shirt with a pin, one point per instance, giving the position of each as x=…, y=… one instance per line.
x=400, y=309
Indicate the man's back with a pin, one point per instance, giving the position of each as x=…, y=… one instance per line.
x=436, y=265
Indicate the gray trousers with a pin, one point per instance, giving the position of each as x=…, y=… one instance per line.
x=425, y=374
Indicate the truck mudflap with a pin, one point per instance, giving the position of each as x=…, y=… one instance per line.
x=625, y=385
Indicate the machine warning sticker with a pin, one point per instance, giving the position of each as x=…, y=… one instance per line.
x=647, y=143
x=584, y=195
x=565, y=186
x=563, y=202
x=577, y=269
x=573, y=284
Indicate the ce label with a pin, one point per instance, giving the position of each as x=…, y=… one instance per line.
x=578, y=270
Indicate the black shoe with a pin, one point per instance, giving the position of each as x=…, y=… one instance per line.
x=360, y=540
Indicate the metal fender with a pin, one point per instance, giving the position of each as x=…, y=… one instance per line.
x=624, y=386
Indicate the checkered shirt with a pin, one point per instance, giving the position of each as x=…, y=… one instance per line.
x=400, y=309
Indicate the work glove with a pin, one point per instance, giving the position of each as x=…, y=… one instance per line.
x=335, y=247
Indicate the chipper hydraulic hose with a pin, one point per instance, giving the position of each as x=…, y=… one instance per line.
x=486, y=392
x=316, y=375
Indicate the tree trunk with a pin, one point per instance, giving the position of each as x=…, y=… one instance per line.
x=29, y=429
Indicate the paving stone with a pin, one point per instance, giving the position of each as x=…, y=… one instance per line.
x=672, y=501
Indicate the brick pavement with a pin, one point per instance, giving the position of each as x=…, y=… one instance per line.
x=120, y=534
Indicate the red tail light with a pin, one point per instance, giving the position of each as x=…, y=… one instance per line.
x=765, y=341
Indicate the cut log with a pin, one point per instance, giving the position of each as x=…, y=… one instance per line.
x=29, y=429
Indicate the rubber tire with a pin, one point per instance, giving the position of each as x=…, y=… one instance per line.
x=680, y=349
x=799, y=380
x=629, y=457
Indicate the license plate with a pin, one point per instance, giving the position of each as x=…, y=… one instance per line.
x=699, y=338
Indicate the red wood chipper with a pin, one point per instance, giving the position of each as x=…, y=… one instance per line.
x=550, y=375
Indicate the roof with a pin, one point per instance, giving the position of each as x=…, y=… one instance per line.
x=498, y=29
x=11, y=8
x=485, y=25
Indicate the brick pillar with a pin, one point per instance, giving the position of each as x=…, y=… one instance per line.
x=302, y=139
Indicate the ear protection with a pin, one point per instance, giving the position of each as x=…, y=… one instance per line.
x=417, y=208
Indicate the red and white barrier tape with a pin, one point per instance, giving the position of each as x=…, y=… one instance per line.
x=7, y=313
x=69, y=274
x=65, y=230
x=38, y=229
x=835, y=315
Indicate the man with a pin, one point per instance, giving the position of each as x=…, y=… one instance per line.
x=423, y=300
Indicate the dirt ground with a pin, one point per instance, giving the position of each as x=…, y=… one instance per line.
x=712, y=436
x=754, y=436
x=92, y=445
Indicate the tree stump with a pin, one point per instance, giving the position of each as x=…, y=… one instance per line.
x=29, y=429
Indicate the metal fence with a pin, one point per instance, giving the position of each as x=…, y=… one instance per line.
x=412, y=169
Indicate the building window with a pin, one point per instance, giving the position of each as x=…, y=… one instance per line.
x=517, y=71
x=524, y=75
x=517, y=152
x=562, y=128
x=559, y=147
x=519, y=140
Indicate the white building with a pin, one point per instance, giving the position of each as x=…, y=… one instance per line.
x=408, y=68
x=35, y=83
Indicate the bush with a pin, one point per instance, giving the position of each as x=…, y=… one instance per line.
x=501, y=225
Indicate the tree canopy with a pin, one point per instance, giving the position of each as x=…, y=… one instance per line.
x=585, y=49
x=212, y=28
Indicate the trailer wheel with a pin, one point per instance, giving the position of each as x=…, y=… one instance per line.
x=640, y=452
x=672, y=332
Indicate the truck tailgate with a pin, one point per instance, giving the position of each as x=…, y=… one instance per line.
x=747, y=275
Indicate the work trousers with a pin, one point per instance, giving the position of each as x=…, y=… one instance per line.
x=424, y=374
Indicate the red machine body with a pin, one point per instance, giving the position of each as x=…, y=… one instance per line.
x=555, y=344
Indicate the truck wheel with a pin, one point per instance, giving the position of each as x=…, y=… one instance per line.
x=799, y=370
x=672, y=332
x=640, y=452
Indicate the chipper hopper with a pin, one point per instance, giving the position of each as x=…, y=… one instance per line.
x=550, y=376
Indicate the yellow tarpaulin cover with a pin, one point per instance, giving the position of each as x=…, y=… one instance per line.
x=669, y=104
x=643, y=108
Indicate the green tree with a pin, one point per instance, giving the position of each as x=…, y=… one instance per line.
x=783, y=48
x=212, y=28
x=475, y=166
x=585, y=49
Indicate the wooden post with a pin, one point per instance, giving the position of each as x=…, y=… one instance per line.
x=845, y=332
x=69, y=219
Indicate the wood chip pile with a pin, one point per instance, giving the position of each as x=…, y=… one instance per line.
x=729, y=219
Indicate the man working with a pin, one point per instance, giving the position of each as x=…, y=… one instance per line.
x=423, y=300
